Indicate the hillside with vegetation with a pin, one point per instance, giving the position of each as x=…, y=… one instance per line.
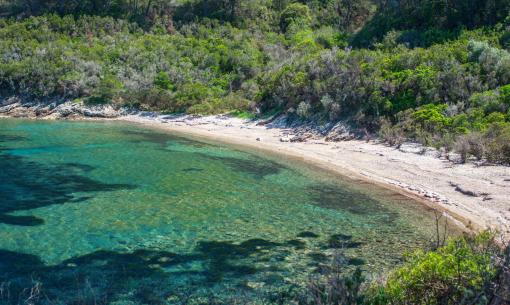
x=434, y=72
x=437, y=72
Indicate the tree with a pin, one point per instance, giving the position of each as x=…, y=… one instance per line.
x=295, y=13
x=352, y=13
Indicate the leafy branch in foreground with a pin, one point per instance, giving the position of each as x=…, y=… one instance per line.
x=466, y=270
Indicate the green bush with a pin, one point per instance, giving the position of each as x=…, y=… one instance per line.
x=430, y=82
x=108, y=90
x=462, y=272
x=498, y=150
x=221, y=105
x=162, y=81
x=297, y=14
x=431, y=117
x=393, y=135
x=504, y=95
x=505, y=40
x=467, y=270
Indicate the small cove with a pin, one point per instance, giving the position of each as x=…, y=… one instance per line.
x=129, y=215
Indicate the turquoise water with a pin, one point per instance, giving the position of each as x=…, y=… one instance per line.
x=111, y=213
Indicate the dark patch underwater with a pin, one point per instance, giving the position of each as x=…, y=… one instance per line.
x=28, y=185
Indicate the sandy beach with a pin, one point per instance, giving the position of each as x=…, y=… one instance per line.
x=477, y=196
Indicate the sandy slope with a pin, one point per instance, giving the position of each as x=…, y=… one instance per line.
x=479, y=196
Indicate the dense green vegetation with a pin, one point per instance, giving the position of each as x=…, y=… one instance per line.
x=432, y=71
x=437, y=72
x=466, y=270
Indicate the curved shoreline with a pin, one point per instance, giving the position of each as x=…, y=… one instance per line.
x=436, y=183
x=476, y=196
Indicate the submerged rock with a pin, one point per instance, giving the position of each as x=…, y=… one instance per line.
x=255, y=285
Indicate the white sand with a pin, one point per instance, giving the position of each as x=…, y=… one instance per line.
x=478, y=196
x=422, y=176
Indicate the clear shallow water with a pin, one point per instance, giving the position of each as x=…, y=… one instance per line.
x=113, y=213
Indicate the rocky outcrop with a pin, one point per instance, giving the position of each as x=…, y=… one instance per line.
x=302, y=137
x=340, y=132
x=296, y=129
x=302, y=131
x=15, y=107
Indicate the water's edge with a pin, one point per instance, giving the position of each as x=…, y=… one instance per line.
x=314, y=164
x=78, y=204
x=151, y=120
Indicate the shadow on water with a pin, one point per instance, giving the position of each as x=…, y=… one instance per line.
x=338, y=198
x=11, y=138
x=256, y=167
x=342, y=241
x=193, y=170
x=307, y=234
x=149, y=136
x=28, y=185
x=161, y=139
x=148, y=276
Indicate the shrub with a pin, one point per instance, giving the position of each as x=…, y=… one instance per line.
x=304, y=109
x=459, y=273
x=504, y=94
x=477, y=145
x=109, y=88
x=191, y=94
x=295, y=13
x=493, y=61
x=462, y=148
x=335, y=285
x=162, y=81
x=227, y=104
x=505, y=40
x=393, y=135
x=498, y=149
x=431, y=117
x=154, y=99
x=447, y=143
x=467, y=270
x=476, y=48
x=489, y=101
x=326, y=102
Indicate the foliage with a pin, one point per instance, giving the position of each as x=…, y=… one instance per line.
x=334, y=285
x=499, y=146
x=434, y=72
x=458, y=273
x=423, y=23
x=295, y=14
x=430, y=117
x=471, y=269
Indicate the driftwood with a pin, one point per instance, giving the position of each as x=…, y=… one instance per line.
x=268, y=121
x=466, y=192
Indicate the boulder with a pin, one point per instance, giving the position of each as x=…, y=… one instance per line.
x=301, y=137
x=340, y=132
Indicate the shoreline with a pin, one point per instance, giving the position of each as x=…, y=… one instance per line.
x=440, y=188
x=476, y=196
